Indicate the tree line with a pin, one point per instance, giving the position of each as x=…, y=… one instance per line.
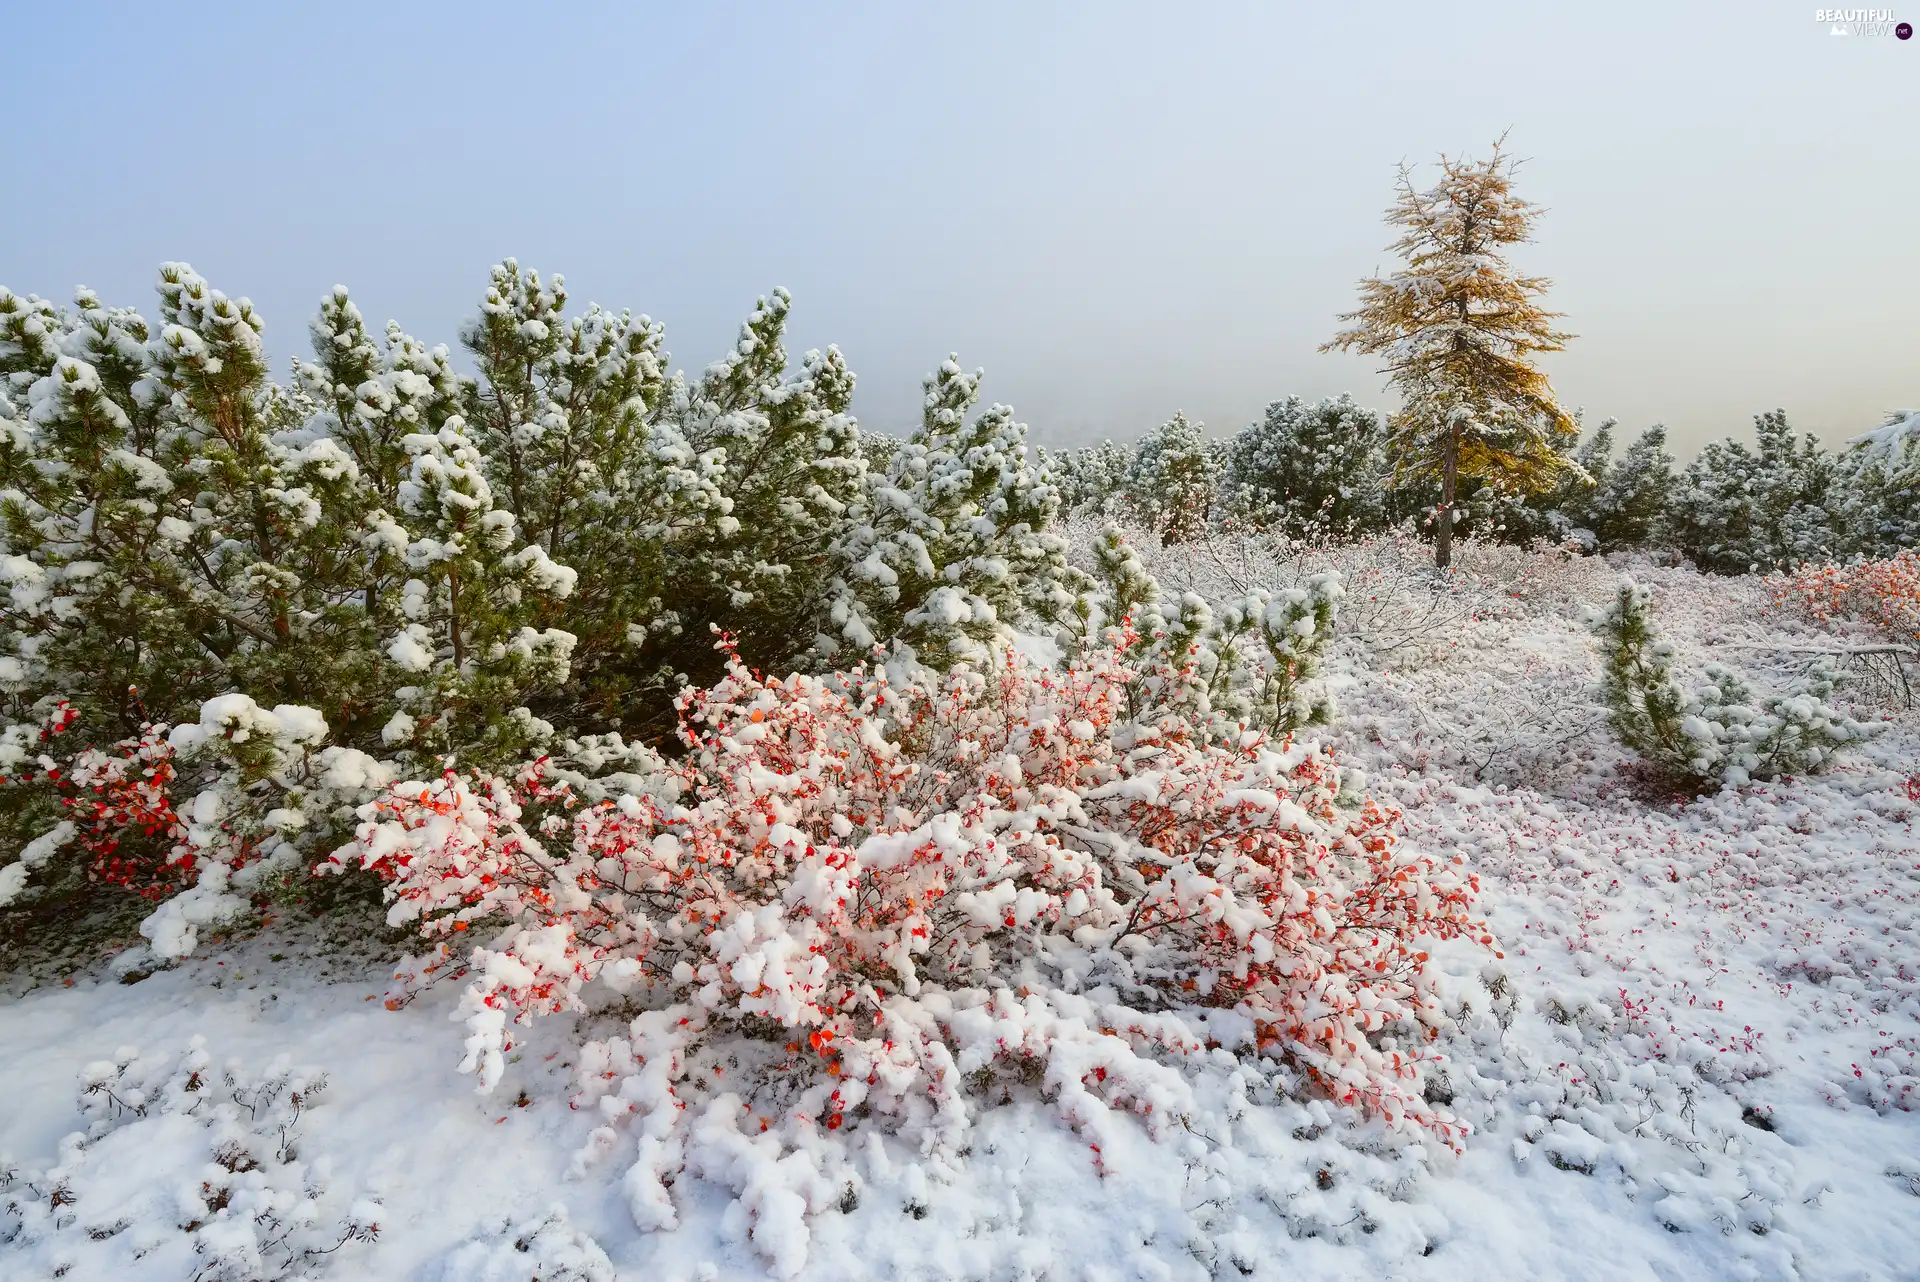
x=1311, y=470
x=1481, y=445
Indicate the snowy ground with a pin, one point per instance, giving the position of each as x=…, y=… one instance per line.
x=1698, y=1059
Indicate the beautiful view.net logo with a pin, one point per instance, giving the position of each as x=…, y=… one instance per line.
x=1863, y=22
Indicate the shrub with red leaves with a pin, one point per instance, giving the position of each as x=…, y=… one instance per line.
x=115, y=805
x=886, y=871
x=124, y=818
x=193, y=816
x=1884, y=593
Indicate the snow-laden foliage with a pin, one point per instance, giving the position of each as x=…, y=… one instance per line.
x=414, y=566
x=1309, y=469
x=165, y=546
x=1736, y=509
x=197, y=816
x=955, y=543
x=1094, y=477
x=1318, y=471
x=252, y=1207
x=173, y=560
x=1712, y=731
x=1170, y=486
x=908, y=885
x=1628, y=499
x=545, y=1248
x=1566, y=514
x=1879, y=481
x=1252, y=663
x=679, y=503
x=1900, y=430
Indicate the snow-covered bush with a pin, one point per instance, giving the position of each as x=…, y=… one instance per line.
x=678, y=502
x=1879, y=479
x=1735, y=510
x=1713, y=731
x=545, y=1248
x=955, y=543
x=1884, y=593
x=1597, y=505
x=1171, y=487
x=1093, y=477
x=166, y=542
x=1307, y=469
x=175, y=558
x=184, y=1170
x=1391, y=606
x=1628, y=500
x=909, y=884
x=1251, y=664
x=196, y=817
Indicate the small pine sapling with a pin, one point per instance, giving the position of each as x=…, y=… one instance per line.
x=1711, y=733
x=1205, y=666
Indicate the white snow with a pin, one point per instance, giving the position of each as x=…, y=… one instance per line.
x=174, y=927
x=1901, y=426
x=13, y=877
x=408, y=651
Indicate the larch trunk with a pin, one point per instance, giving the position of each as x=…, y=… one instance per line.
x=1449, y=483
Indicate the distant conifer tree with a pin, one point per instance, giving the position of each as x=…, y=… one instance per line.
x=1459, y=328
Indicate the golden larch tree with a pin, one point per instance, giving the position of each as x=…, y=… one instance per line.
x=1459, y=328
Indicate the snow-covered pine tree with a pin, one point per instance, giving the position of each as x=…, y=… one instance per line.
x=1252, y=664
x=346, y=415
x=184, y=548
x=1900, y=431
x=1736, y=509
x=433, y=566
x=1629, y=502
x=879, y=449
x=1307, y=469
x=1459, y=329
x=793, y=467
x=163, y=548
x=368, y=396
x=686, y=505
x=954, y=544
x=1091, y=477
x=1570, y=504
x=1172, y=482
x=1713, y=731
x=470, y=607
x=1877, y=481
x=567, y=415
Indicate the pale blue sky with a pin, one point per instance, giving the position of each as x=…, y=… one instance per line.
x=1119, y=210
